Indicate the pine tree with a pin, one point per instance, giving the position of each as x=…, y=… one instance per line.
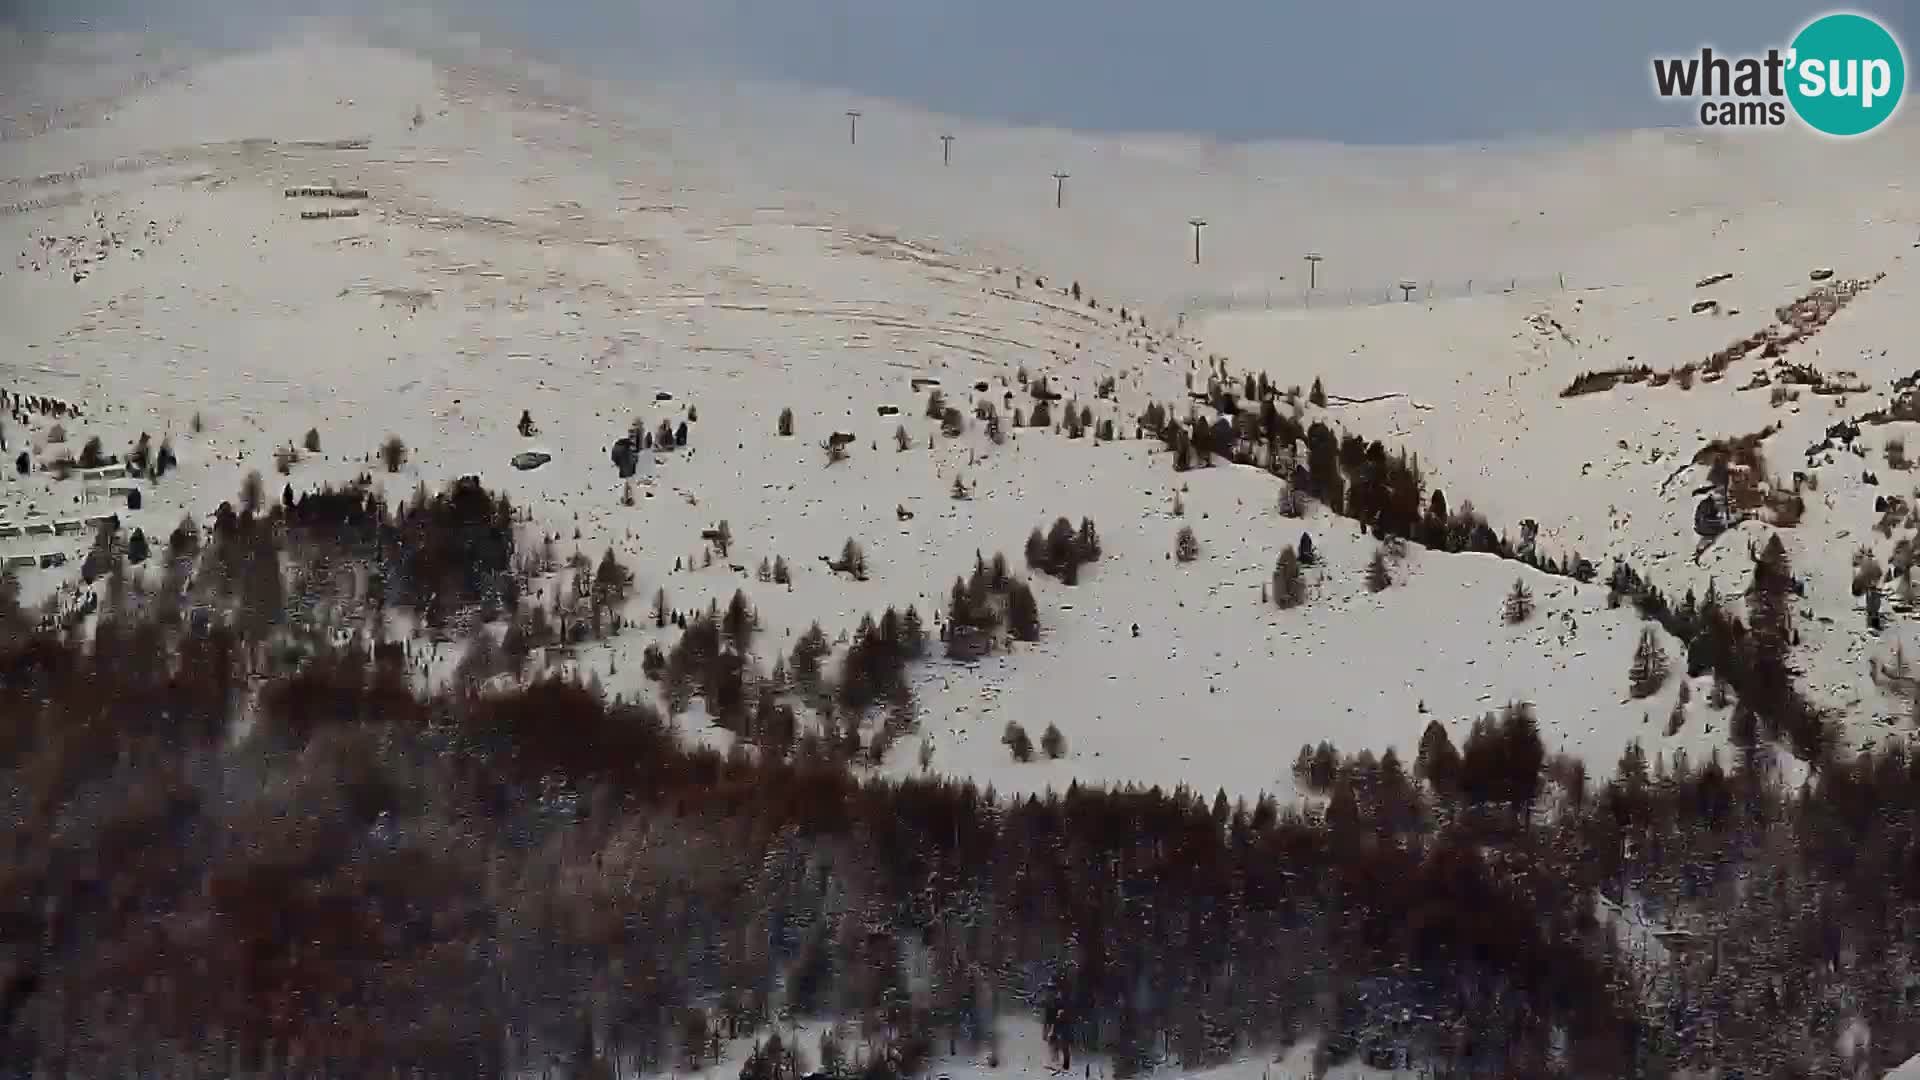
x=1719, y=694
x=1378, y=579
x=1289, y=588
x=1186, y=546
x=610, y=582
x=1292, y=504
x=1318, y=395
x=1522, y=753
x=1632, y=768
x=253, y=494
x=786, y=422
x=739, y=622
x=913, y=634
x=1063, y=552
x=1437, y=761
x=853, y=559
x=1087, y=545
x=1023, y=612
x=1518, y=607
x=1052, y=743
x=1648, y=672
x=808, y=651
x=1016, y=741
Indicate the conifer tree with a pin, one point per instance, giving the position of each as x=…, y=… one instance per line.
x=853, y=559
x=1522, y=753
x=1677, y=718
x=1378, y=578
x=1647, y=674
x=610, y=582
x=738, y=623
x=1087, y=546
x=1518, y=607
x=913, y=633
x=1437, y=761
x=808, y=652
x=1186, y=546
x=1016, y=741
x=253, y=494
x=1052, y=743
x=1023, y=612
x=1289, y=588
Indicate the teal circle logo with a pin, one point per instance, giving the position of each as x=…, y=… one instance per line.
x=1846, y=74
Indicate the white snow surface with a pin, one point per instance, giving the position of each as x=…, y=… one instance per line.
x=1020, y=1052
x=577, y=249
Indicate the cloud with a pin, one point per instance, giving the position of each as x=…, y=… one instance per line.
x=1229, y=68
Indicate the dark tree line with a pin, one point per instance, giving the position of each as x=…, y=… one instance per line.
x=367, y=882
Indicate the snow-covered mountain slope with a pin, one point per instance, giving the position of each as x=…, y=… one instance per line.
x=601, y=259
x=1475, y=387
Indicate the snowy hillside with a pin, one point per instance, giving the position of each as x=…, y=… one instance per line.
x=611, y=260
x=1020, y=1050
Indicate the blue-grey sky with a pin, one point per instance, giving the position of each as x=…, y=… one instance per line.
x=1345, y=70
